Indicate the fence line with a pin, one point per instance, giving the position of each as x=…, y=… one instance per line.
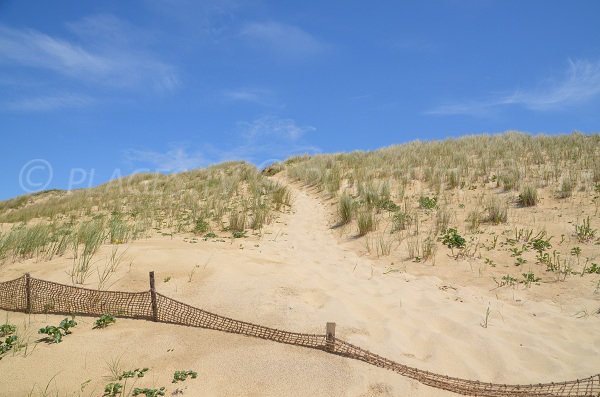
x=31, y=295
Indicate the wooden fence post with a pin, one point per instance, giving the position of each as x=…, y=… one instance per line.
x=153, y=298
x=330, y=336
x=27, y=293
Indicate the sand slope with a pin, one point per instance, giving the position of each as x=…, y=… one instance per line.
x=297, y=276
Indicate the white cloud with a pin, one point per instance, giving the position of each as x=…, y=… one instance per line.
x=284, y=39
x=580, y=84
x=273, y=128
x=46, y=103
x=257, y=96
x=104, y=55
x=174, y=160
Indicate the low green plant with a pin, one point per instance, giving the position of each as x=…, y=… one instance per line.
x=8, y=344
x=201, y=226
x=529, y=278
x=7, y=329
x=136, y=373
x=540, y=245
x=490, y=262
x=180, y=376
x=210, y=235
x=387, y=204
x=112, y=390
x=238, y=234
x=427, y=203
x=584, y=232
x=148, y=392
x=104, y=321
x=56, y=334
x=593, y=269
x=452, y=240
x=507, y=280
x=520, y=261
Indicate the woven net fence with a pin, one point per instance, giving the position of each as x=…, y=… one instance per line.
x=31, y=295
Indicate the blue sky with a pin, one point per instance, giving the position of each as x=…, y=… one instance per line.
x=95, y=90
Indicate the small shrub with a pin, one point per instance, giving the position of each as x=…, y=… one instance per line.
x=452, y=240
x=427, y=202
x=387, y=204
x=496, y=212
x=104, y=321
x=566, y=188
x=345, y=207
x=400, y=221
x=180, y=376
x=281, y=196
x=428, y=248
x=510, y=180
x=118, y=231
x=528, y=196
x=442, y=219
x=201, y=226
x=237, y=221
x=473, y=220
x=366, y=222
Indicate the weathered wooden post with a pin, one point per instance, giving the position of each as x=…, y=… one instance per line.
x=27, y=293
x=330, y=336
x=153, y=298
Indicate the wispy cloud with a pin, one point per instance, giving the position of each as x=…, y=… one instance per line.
x=580, y=83
x=104, y=52
x=46, y=103
x=273, y=128
x=261, y=142
x=286, y=40
x=176, y=159
x=257, y=96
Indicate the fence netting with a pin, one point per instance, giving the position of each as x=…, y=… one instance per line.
x=28, y=294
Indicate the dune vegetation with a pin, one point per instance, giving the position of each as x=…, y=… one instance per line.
x=405, y=198
x=429, y=253
x=227, y=197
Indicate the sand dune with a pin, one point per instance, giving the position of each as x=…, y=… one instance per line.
x=299, y=274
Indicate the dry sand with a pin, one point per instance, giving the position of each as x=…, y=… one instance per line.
x=297, y=276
